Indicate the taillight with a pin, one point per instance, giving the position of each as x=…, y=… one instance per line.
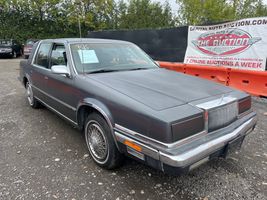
x=244, y=105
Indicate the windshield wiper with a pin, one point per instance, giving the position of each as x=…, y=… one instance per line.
x=139, y=68
x=115, y=70
x=103, y=71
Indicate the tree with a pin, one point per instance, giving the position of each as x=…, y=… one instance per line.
x=23, y=19
x=144, y=14
x=213, y=11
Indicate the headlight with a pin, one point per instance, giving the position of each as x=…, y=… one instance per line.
x=188, y=127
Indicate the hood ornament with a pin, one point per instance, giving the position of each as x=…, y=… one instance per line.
x=221, y=100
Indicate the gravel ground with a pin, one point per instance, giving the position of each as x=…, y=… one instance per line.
x=43, y=157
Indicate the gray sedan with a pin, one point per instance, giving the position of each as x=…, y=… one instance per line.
x=127, y=105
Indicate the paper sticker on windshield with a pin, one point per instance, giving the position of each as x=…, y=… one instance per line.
x=87, y=56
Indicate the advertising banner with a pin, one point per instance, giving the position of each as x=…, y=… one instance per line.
x=240, y=44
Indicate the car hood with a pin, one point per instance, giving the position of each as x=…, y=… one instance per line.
x=160, y=89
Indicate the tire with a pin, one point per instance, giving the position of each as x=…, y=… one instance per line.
x=14, y=54
x=100, y=142
x=34, y=103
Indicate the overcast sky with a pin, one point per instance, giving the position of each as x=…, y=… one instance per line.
x=174, y=5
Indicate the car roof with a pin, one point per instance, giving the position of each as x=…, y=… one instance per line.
x=86, y=40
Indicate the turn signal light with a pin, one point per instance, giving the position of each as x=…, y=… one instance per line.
x=133, y=145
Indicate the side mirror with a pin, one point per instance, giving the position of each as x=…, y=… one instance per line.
x=60, y=69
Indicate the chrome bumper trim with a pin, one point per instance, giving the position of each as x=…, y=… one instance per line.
x=195, y=154
x=153, y=153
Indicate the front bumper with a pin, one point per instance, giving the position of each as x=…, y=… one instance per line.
x=5, y=52
x=180, y=158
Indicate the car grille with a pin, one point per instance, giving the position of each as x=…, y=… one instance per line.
x=222, y=116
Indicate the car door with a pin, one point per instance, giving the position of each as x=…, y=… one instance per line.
x=39, y=68
x=59, y=88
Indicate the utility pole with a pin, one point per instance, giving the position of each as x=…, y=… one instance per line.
x=79, y=23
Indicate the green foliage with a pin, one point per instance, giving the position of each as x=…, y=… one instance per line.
x=23, y=19
x=138, y=14
x=212, y=11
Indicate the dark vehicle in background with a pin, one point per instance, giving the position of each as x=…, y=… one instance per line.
x=127, y=105
x=10, y=48
x=28, y=47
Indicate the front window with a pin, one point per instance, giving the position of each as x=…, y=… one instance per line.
x=107, y=57
x=42, y=56
x=58, y=55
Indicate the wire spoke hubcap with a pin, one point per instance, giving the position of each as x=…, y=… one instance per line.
x=96, y=141
x=29, y=94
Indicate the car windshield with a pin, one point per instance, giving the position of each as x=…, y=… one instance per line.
x=5, y=42
x=108, y=57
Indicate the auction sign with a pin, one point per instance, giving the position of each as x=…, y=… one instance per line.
x=240, y=44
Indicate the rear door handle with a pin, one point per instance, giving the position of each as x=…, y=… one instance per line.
x=46, y=78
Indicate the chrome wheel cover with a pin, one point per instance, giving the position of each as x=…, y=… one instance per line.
x=29, y=94
x=96, y=141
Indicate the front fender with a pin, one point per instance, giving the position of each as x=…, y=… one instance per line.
x=100, y=107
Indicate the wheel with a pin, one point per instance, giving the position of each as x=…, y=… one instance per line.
x=14, y=54
x=34, y=103
x=100, y=142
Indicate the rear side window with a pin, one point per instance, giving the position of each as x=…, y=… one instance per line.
x=42, y=56
x=58, y=55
